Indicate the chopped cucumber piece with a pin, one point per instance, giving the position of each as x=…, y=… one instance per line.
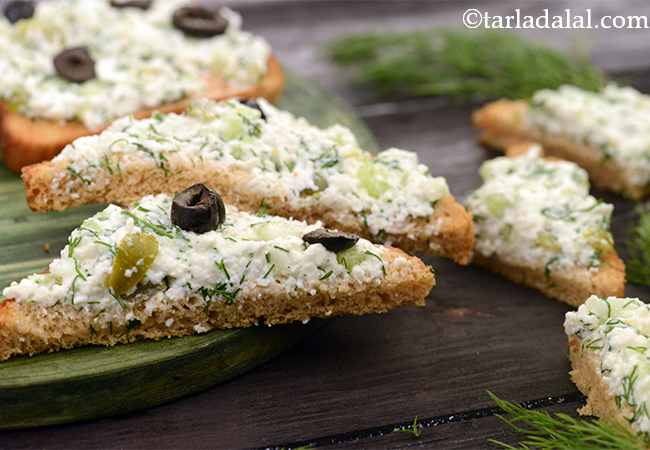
x=373, y=178
x=233, y=128
x=497, y=204
x=351, y=257
x=267, y=231
x=600, y=239
x=548, y=241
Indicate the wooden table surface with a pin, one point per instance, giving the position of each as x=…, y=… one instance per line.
x=354, y=381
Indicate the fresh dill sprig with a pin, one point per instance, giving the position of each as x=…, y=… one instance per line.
x=415, y=429
x=326, y=275
x=560, y=431
x=76, y=174
x=73, y=243
x=637, y=265
x=222, y=265
x=268, y=272
x=263, y=210
x=220, y=290
x=464, y=65
x=159, y=229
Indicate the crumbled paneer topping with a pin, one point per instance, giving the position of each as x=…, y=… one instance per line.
x=615, y=331
x=538, y=213
x=614, y=121
x=246, y=253
x=141, y=60
x=287, y=158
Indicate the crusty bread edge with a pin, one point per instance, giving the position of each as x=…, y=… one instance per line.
x=29, y=328
x=502, y=124
x=448, y=232
x=572, y=287
x=28, y=141
x=586, y=376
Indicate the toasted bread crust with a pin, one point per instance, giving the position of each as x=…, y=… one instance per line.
x=27, y=328
x=572, y=287
x=585, y=374
x=502, y=124
x=28, y=141
x=448, y=232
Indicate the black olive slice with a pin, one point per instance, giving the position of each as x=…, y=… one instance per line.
x=200, y=22
x=198, y=209
x=334, y=241
x=75, y=64
x=253, y=104
x=19, y=9
x=142, y=4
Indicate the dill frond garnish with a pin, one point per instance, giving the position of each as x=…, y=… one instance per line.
x=415, y=429
x=326, y=275
x=222, y=265
x=560, y=431
x=220, y=290
x=463, y=65
x=268, y=272
x=263, y=210
x=159, y=229
x=76, y=174
x=637, y=266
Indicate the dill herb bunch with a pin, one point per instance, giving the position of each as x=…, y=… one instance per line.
x=638, y=263
x=414, y=429
x=559, y=431
x=463, y=65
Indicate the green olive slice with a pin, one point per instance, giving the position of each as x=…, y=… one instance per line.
x=135, y=254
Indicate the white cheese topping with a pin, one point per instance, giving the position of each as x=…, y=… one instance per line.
x=614, y=121
x=142, y=60
x=615, y=331
x=245, y=253
x=286, y=156
x=538, y=213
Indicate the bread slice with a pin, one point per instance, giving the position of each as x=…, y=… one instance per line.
x=28, y=141
x=606, y=349
x=586, y=376
x=504, y=123
x=572, y=287
x=516, y=232
x=259, y=272
x=446, y=230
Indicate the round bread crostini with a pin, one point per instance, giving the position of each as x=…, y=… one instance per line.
x=334, y=241
x=17, y=10
x=199, y=22
x=198, y=209
x=141, y=4
x=75, y=64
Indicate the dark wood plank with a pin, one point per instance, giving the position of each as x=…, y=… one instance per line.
x=478, y=332
x=457, y=434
